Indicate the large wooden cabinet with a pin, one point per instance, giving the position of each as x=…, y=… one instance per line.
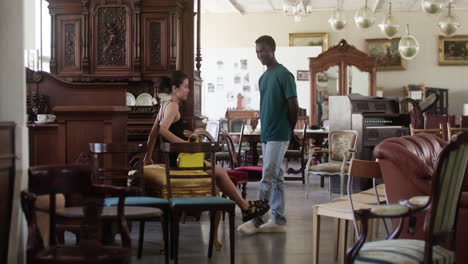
x=116, y=39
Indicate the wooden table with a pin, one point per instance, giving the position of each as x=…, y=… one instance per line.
x=319, y=136
x=253, y=139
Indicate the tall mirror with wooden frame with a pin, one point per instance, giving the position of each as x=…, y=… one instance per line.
x=341, y=70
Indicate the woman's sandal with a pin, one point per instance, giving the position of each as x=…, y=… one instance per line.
x=256, y=209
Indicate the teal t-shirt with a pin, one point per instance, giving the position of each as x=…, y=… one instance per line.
x=276, y=87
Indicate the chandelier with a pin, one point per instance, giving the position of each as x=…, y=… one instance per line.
x=296, y=8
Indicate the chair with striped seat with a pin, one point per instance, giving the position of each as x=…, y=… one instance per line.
x=110, y=166
x=441, y=207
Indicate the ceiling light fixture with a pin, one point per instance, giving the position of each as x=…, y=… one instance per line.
x=297, y=8
x=408, y=45
x=338, y=21
x=448, y=23
x=432, y=6
x=389, y=26
x=364, y=18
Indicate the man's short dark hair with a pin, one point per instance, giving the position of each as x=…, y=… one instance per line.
x=267, y=40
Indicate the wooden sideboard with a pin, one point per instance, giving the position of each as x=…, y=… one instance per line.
x=252, y=115
x=7, y=182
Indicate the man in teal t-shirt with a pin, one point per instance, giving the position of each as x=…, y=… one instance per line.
x=278, y=116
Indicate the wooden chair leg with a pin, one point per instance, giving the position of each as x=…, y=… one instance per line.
x=315, y=235
x=218, y=245
x=141, y=238
x=244, y=190
x=343, y=239
x=232, y=234
x=336, y=237
x=211, y=237
x=165, y=228
x=175, y=236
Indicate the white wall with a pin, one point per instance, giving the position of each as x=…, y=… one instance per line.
x=236, y=31
x=13, y=108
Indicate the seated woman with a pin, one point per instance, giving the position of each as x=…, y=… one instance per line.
x=171, y=129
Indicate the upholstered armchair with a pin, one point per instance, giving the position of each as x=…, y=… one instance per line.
x=407, y=165
x=340, y=152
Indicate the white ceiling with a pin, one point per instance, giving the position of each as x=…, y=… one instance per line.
x=253, y=6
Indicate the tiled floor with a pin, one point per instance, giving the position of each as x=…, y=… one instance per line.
x=294, y=246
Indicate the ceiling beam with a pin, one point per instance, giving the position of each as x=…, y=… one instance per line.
x=377, y=5
x=271, y=5
x=237, y=6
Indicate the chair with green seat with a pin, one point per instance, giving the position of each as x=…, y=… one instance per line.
x=198, y=203
x=122, y=165
x=441, y=209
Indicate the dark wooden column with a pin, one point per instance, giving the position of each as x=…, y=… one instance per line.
x=7, y=182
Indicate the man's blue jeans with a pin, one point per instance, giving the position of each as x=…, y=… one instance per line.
x=272, y=183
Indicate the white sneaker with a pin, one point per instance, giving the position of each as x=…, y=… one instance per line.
x=248, y=228
x=272, y=227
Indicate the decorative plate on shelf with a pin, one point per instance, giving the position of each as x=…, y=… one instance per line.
x=130, y=99
x=144, y=99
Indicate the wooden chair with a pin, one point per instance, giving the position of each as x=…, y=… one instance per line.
x=451, y=131
x=51, y=180
x=439, y=121
x=110, y=166
x=340, y=153
x=207, y=203
x=254, y=172
x=236, y=124
x=464, y=121
x=342, y=208
x=299, y=154
x=439, y=132
x=440, y=226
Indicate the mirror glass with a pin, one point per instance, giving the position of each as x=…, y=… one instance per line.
x=358, y=81
x=327, y=85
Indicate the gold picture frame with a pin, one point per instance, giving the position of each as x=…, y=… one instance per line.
x=303, y=75
x=387, y=54
x=453, y=50
x=309, y=39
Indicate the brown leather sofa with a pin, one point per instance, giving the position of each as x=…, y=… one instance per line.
x=407, y=165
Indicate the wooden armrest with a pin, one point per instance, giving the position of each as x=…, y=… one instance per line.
x=390, y=210
x=419, y=200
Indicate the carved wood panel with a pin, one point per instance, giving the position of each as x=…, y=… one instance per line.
x=111, y=36
x=70, y=43
x=112, y=42
x=156, y=46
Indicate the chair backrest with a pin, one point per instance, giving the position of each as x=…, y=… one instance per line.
x=65, y=179
x=235, y=125
x=231, y=149
x=439, y=121
x=192, y=172
x=340, y=142
x=213, y=128
x=446, y=188
x=239, y=148
x=439, y=132
x=113, y=162
x=451, y=131
x=464, y=121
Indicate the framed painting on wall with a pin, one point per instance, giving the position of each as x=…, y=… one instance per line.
x=303, y=75
x=309, y=39
x=387, y=54
x=453, y=50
